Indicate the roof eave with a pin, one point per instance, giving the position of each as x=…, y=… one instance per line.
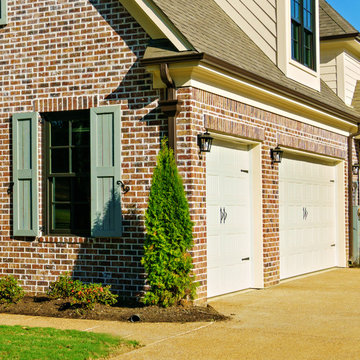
x=340, y=36
x=258, y=80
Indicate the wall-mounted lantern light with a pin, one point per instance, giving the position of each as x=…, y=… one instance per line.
x=205, y=142
x=276, y=155
x=355, y=169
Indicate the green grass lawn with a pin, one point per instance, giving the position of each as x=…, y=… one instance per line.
x=25, y=343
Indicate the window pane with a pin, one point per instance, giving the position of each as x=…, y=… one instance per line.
x=61, y=189
x=308, y=50
x=81, y=160
x=61, y=217
x=82, y=189
x=59, y=133
x=295, y=44
x=307, y=5
x=59, y=160
x=80, y=132
x=307, y=20
x=295, y=10
x=81, y=217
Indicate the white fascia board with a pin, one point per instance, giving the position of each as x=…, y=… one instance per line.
x=274, y=109
x=210, y=79
x=155, y=23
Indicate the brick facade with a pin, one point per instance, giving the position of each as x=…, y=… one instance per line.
x=71, y=55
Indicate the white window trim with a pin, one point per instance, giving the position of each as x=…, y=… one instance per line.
x=291, y=68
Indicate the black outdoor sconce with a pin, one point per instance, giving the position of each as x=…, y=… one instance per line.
x=355, y=169
x=204, y=142
x=276, y=155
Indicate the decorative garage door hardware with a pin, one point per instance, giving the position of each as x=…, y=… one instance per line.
x=245, y=259
x=223, y=215
x=245, y=171
x=305, y=213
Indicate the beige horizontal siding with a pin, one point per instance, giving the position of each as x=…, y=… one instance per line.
x=352, y=75
x=328, y=71
x=257, y=18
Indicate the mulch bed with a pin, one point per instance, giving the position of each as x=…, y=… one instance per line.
x=45, y=306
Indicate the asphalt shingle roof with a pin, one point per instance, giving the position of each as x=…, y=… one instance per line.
x=332, y=23
x=210, y=30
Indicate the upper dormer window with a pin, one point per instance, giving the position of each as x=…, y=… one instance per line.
x=303, y=32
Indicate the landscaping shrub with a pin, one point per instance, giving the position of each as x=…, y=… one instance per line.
x=10, y=290
x=168, y=236
x=85, y=295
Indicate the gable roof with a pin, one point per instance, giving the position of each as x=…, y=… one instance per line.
x=211, y=31
x=332, y=24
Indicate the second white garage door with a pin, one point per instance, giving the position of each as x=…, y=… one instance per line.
x=228, y=219
x=307, y=217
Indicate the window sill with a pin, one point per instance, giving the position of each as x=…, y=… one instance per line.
x=303, y=68
x=64, y=239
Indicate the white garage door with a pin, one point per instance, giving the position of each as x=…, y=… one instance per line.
x=228, y=219
x=307, y=217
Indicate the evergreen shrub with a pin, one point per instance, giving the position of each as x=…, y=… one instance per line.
x=168, y=236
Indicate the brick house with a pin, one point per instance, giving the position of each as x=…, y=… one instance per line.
x=88, y=89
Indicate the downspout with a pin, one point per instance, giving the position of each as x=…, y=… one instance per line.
x=170, y=106
x=350, y=192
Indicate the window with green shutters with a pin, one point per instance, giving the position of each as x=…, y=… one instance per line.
x=3, y=12
x=303, y=32
x=82, y=152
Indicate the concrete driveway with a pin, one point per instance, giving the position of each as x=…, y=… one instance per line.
x=314, y=317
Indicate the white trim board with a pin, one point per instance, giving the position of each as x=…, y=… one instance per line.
x=155, y=23
x=261, y=105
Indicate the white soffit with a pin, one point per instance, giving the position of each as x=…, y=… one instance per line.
x=155, y=23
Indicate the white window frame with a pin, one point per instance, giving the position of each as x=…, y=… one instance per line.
x=291, y=68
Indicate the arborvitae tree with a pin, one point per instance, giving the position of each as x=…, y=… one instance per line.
x=168, y=236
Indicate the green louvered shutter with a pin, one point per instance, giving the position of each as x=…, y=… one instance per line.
x=106, y=218
x=25, y=174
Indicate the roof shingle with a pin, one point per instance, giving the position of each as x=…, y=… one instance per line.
x=332, y=23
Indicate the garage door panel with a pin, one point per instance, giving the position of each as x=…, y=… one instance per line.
x=307, y=217
x=235, y=189
x=213, y=186
x=229, y=218
x=214, y=251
